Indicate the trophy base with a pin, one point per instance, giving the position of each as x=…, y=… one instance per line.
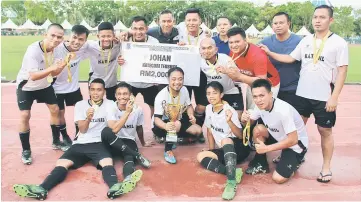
x=171, y=136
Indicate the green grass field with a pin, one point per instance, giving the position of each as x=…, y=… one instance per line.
x=14, y=47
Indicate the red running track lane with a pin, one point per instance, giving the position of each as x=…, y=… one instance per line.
x=186, y=180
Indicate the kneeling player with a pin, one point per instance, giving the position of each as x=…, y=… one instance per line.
x=92, y=116
x=283, y=129
x=120, y=135
x=224, y=129
x=174, y=93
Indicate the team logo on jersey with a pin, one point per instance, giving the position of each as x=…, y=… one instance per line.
x=272, y=129
x=128, y=126
x=217, y=129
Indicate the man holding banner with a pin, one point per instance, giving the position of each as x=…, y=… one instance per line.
x=148, y=90
x=169, y=119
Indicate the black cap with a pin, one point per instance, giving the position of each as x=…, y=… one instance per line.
x=105, y=26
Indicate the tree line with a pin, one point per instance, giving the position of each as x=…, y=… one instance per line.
x=347, y=20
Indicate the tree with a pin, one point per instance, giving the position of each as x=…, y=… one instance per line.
x=343, y=24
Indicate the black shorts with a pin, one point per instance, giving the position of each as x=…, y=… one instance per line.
x=110, y=93
x=291, y=98
x=70, y=99
x=317, y=108
x=235, y=101
x=241, y=151
x=185, y=124
x=290, y=160
x=199, y=91
x=149, y=94
x=81, y=154
x=25, y=99
x=120, y=154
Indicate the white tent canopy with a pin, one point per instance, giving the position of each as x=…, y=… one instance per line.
x=267, y=31
x=303, y=31
x=252, y=31
x=215, y=30
x=66, y=25
x=9, y=24
x=29, y=25
x=120, y=26
x=234, y=25
x=153, y=24
x=85, y=24
x=204, y=27
x=46, y=24
x=96, y=28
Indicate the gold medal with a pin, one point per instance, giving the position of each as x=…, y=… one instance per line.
x=95, y=105
x=68, y=58
x=212, y=71
x=317, y=52
x=49, y=78
x=102, y=58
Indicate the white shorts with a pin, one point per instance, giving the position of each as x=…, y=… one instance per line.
x=249, y=98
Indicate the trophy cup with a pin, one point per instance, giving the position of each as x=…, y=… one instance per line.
x=173, y=112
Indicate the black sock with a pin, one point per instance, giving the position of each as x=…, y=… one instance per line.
x=200, y=118
x=168, y=146
x=56, y=133
x=76, y=129
x=230, y=158
x=56, y=176
x=109, y=137
x=128, y=167
x=109, y=176
x=63, y=131
x=25, y=140
x=213, y=165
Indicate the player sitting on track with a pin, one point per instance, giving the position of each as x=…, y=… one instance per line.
x=128, y=121
x=283, y=129
x=34, y=83
x=66, y=86
x=174, y=93
x=224, y=131
x=92, y=116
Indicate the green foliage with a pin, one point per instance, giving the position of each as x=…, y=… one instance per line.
x=240, y=12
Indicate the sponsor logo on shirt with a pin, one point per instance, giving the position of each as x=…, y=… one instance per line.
x=273, y=129
x=246, y=72
x=310, y=56
x=98, y=120
x=217, y=129
x=105, y=61
x=128, y=126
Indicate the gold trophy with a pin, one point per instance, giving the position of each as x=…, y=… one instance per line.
x=173, y=112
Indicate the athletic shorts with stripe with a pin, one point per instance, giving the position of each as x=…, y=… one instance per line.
x=120, y=154
x=25, y=99
x=241, y=151
x=80, y=154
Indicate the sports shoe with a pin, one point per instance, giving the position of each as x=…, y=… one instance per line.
x=230, y=190
x=26, y=157
x=30, y=191
x=239, y=174
x=143, y=161
x=126, y=186
x=201, y=138
x=257, y=168
x=60, y=145
x=169, y=157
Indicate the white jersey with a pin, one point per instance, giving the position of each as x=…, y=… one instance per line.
x=33, y=61
x=217, y=123
x=281, y=120
x=315, y=79
x=228, y=84
x=164, y=97
x=101, y=116
x=150, y=40
x=100, y=67
x=135, y=118
x=61, y=85
x=191, y=40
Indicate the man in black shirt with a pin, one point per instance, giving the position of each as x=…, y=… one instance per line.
x=165, y=32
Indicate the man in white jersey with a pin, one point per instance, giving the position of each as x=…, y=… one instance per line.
x=223, y=131
x=120, y=133
x=92, y=116
x=186, y=127
x=212, y=64
x=283, y=129
x=139, y=34
x=34, y=83
x=66, y=86
x=103, y=58
x=324, y=62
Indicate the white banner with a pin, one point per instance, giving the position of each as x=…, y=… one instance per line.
x=149, y=63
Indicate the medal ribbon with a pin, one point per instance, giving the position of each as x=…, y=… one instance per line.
x=317, y=52
x=48, y=62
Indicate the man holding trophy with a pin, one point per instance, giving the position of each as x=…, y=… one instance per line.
x=169, y=119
